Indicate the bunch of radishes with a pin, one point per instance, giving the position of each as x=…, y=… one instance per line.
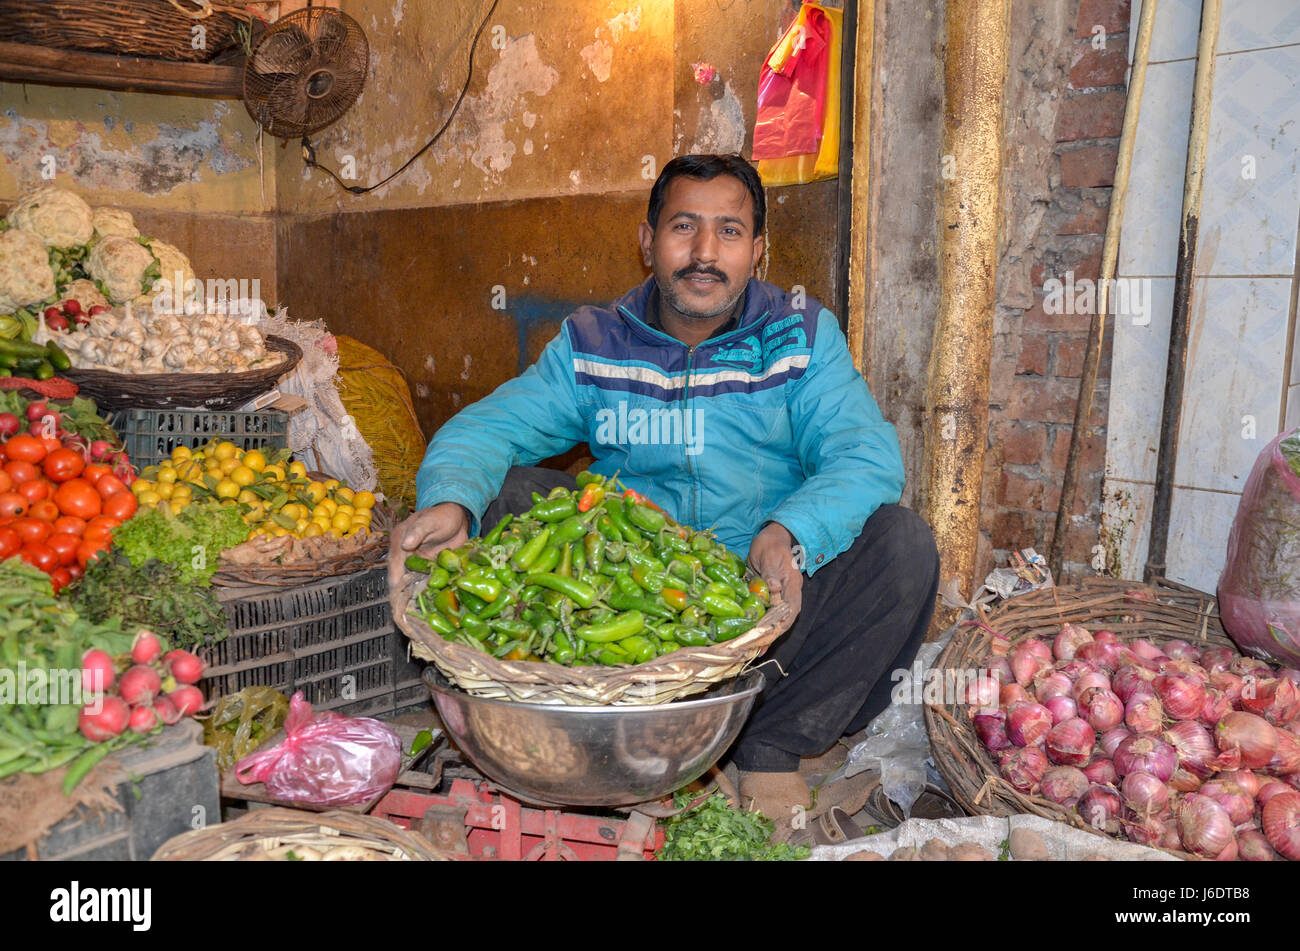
x=154, y=689
x=1170, y=745
x=45, y=421
x=69, y=316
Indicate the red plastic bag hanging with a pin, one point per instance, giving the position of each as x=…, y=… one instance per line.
x=792, y=88
x=326, y=759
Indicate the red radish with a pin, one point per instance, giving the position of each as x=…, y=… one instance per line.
x=99, y=449
x=71, y=307
x=36, y=411
x=184, y=666
x=57, y=322
x=52, y=312
x=143, y=720
x=98, y=309
x=166, y=710
x=188, y=700
x=108, y=722
x=140, y=685
x=9, y=425
x=97, y=672
x=146, y=648
x=1282, y=824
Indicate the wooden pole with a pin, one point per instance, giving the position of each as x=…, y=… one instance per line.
x=859, y=218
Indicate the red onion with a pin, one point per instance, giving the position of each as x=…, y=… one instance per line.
x=1239, y=806
x=1245, y=779
x=1144, y=794
x=1062, y=709
x=1028, y=658
x=1012, y=693
x=1074, y=669
x=1184, y=781
x=1291, y=674
x=1281, y=824
x=1292, y=780
x=1181, y=650
x=1217, y=659
x=1173, y=839
x=1287, y=758
x=1145, y=649
x=1276, y=699
x=1111, y=739
x=982, y=692
x=1023, y=768
x=1102, y=709
x=1270, y=789
x=1216, y=706
x=1230, y=853
x=1129, y=679
x=999, y=669
x=1246, y=740
x=1145, y=830
x=1088, y=681
x=1127, y=658
x=1144, y=714
x=1105, y=637
x=1229, y=683
x=1103, y=656
x=1102, y=772
x=1181, y=695
x=1064, y=784
x=1252, y=846
x=1194, y=747
x=992, y=730
x=1051, y=683
x=1028, y=723
x=1070, y=743
x=1071, y=638
x=1145, y=754
x=1186, y=667
x=1241, y=666
x=1204, y=826
x=1100, y=808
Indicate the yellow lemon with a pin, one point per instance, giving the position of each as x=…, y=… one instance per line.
x=298, y=470
x=245, y=496
x=364, y=500
x=181, y=453
x=344, y=494
x=347, y=510
x=225, y=450
x=275, y=472
x=139, y=485
x=330, y=506
x=315, y=491
x=243, y=475
x=279, y=531
x=165, y=490
x=148, y=497
x=363, y=517
x=227, y=489
x=166, y=474
x=321, y=511
x=323, y=522
x=313, y=531
x=301, y=524
x=255, y=459
x=341, y=522
x=229, y=465
x=182, y=491
x=176, y=507
x=331, y=484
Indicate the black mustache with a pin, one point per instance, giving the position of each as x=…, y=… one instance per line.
x=707, y=271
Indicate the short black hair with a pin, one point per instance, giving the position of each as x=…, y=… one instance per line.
x=705, y=168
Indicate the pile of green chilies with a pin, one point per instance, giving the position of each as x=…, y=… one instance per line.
x=599, y=575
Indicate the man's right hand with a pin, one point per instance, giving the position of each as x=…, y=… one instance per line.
x=427, y=532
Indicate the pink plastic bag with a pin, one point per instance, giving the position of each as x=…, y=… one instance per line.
x=326, y=759
x=792, y=88
x=1259, y=593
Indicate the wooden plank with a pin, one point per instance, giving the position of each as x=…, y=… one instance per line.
x=24, y=63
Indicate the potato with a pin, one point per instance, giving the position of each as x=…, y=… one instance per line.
x=969, y=852
x=907, y=853
x=864, y=856
x=1028, y=846
x=935, y=850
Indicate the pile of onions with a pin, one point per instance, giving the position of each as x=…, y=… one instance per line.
x=1160, y=742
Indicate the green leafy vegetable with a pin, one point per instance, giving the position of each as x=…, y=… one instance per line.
x=714, y=832
x=192, y=541
x=152, y=595
x=1291, y=451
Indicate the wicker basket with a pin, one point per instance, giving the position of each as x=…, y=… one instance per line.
x=161, y=29
x=373, y=551
x=211, y=391
x=252, y=836
x=1174, y=611
x=679, y=674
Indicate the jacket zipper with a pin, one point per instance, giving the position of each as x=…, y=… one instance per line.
x=686, y=408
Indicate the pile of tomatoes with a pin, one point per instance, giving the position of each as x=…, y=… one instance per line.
x=57, y=511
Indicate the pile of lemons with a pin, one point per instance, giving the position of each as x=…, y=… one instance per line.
x=277, y=496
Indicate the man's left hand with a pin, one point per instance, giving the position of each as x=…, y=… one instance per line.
x=771, y=555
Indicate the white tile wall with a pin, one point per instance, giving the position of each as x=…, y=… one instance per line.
x=1255, y=24
x=1137, y=376
x=1126, y=516
x=1175, y=32
x=1198, y=541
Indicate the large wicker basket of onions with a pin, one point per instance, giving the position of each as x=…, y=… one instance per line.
x=1124, y=710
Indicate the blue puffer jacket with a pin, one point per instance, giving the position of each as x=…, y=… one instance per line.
x=770, y=422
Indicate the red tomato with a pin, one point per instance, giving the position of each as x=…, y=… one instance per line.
x=121, y=506
x=70, y=525
x=64, y=464
x=60, y=578
x=94, y=471
x=51, y=444
x=78, y=498
x=34, y=490
x=45, y=510
x=25, y=448
x=21, y=472
x=6, y=483
x=65, y=546
x=39, y=555
x=88, y=551
x=32, y=530
x=10, y=543
x=12, y=504
x=101, y=528
x=76, y=570
x=109, y=485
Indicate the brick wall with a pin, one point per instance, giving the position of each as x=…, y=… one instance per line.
x=1033, y=399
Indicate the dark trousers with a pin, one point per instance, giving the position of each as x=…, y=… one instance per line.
x=864, y=616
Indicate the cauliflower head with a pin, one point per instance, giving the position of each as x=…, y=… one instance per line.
x=26, y=277
x=61, y=218
x=84, y=292
x=171, y=262
x=123, y=266
x=114, y=221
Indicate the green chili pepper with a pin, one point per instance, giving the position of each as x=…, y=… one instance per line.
x=608, y=529
x=614, y=509
x=498, y=606
x=616, y=629
x=538, y=498
x=585, y=478
x=553, y=510
x=553, y=599
x=418, y=563
x=675, y=598
x=531, y=593
x=758, y=588
x=719, y=606
x=616, y=551
x=643, y=517
x=732, y=627
x=627, y=585
x=446, y=602
x=627, y=602
x=641, y=649
x=494, y=536
x=639, y=559
x=671, y=541
x=475, y=625
x=583, y=594
x=449, y=559
x=563, y=653
x=610, y=655
x=701, y=542
x=591, y=496
x=565, y=567
x=693, y=636
x=437, y=621
x=652, y=581
x=753, y=607
x=722, y=574
x=517, y=629
x=439, y=578
x=593, y=547
x=531, y=550
x=570, y=530
x=489, y=589
x=549, y=558
x=421, y=741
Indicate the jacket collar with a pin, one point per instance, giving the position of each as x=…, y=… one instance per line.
x=632, y=307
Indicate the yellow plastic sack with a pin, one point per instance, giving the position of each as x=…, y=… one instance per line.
x=375, y=393
x=800, y=169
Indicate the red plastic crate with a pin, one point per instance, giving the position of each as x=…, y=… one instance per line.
x=498, y=827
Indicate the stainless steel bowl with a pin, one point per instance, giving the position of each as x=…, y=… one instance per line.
x=591, y=755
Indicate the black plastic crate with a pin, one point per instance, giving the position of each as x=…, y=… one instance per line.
x=150, y=435
x=334, y=640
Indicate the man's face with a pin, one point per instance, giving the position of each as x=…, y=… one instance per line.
x=704, y=247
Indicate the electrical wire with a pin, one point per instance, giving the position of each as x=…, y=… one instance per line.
x=309, y=152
